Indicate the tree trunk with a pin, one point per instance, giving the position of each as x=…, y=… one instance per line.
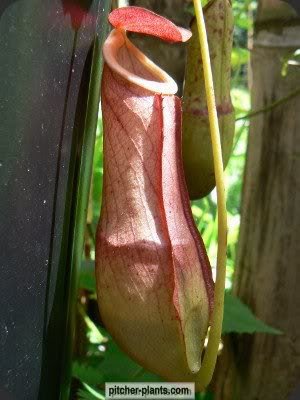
x=261, y=366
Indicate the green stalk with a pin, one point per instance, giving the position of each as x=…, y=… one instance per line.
x=210, y=357
x=271, y=106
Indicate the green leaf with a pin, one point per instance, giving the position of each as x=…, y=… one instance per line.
x=83, y=395
x=87, y=374
x=92, y=391
x=94, y=334
x=239, y=56
x=239, y=318
x=204, y=396
x=243, y=22
x=89, y=393
x=87, y=276
x=118, y=367
x=88, y=266
x=98, y=171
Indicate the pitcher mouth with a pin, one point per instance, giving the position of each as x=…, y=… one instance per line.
x=125, y=59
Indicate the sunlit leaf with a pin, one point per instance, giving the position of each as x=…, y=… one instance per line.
x=239, y=56
x=93, y=392
x=93, y=333
x=84, y=395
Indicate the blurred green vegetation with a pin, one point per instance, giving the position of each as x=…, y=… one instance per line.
x=97, y=358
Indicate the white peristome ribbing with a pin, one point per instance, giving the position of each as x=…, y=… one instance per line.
x=117, y=39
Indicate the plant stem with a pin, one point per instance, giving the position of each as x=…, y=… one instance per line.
x=271, y=106
x=90, y=324
x=210, y=357
x=82, y=187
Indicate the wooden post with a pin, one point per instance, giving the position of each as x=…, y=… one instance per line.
x=267, y=278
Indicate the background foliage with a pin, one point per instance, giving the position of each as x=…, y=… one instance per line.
x=97, y=358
